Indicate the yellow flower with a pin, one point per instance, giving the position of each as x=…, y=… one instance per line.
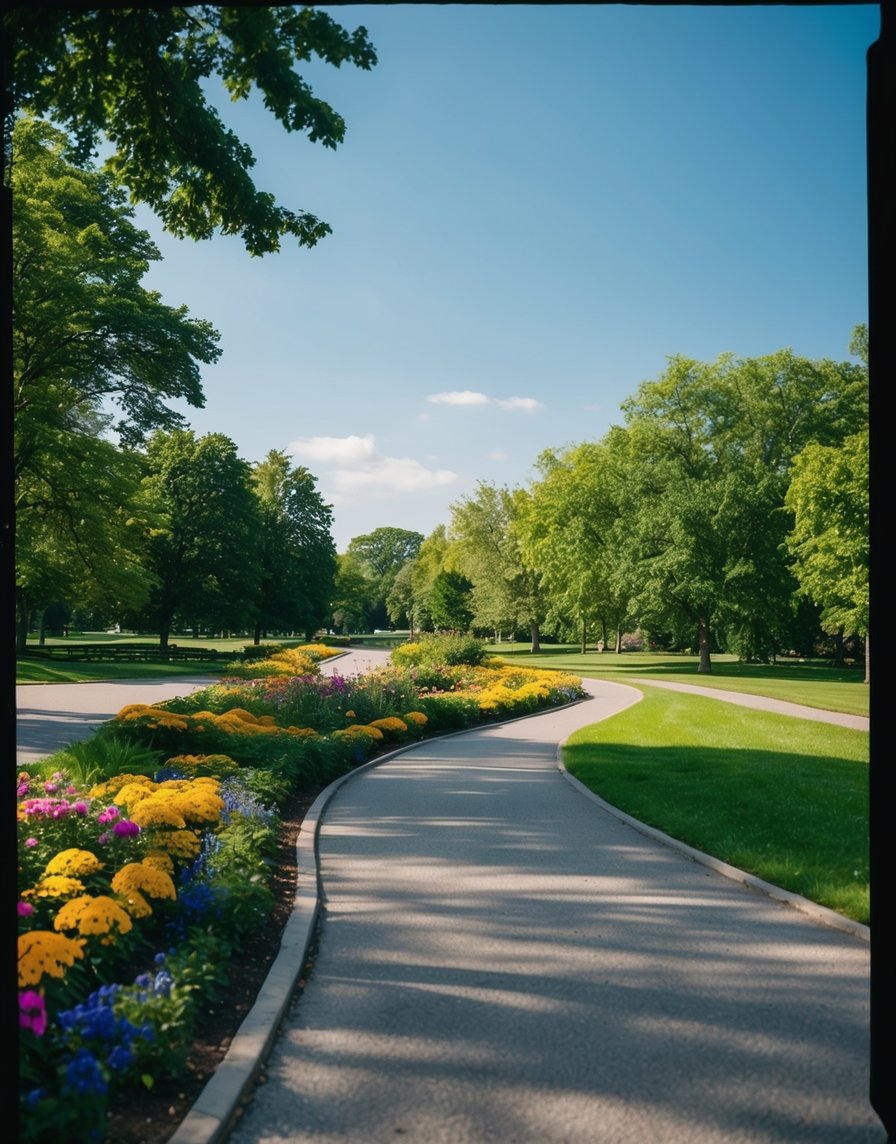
x=130, y=795
x=363, y=730
x=145, y=878
x=112, y=786
x=158, y=811
x=135, y=904
x=182, y=844
x=93, y=915
x=417, y=718
x=42, y=952
x=159, y=860
x=56, y=886
x=74, y=863
x=133, y=711
x=391, y=724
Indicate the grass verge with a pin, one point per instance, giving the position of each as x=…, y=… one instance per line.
x=784, y=799
x=812, y=683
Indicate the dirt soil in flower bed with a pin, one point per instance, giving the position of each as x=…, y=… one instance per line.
x=152, y=1117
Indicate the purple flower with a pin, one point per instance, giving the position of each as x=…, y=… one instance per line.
x=29, y=842
x=24, y=909
x=32, y=1012
x=108, y=815
x=125, y=828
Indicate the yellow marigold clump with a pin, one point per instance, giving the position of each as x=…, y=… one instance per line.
x=74, y=863
x=159, y=860
x=158, y=810
x=183, y=845
x=93, y=915
x=390, y=725
x=111, y=787
x=199, y=765
x=132, y=794
x=293, y=661
x=240, y=713
x=55, y=886
x=416, y=718
x=146, y=878
x=304, y=732
x=133, y=711
x=43, y=953
x=135, y=904
x=361, y=730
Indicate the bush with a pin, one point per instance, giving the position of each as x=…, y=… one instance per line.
x=440, y=649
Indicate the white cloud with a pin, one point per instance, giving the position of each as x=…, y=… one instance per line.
x=352, y=466
x=459, y=397
x=470, y=397
x=526, y=403
x=333, y=450
x=391, y=475
x=497, y=455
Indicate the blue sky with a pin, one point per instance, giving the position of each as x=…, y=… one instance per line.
x=533, y=208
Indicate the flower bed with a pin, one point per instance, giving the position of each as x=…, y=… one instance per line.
x=144, y=857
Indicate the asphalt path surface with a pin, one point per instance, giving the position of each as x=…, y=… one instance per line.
x=503, y=957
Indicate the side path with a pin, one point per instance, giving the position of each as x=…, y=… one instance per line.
x=501, y=958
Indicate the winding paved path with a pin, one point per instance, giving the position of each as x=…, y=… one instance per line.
x=504, y=959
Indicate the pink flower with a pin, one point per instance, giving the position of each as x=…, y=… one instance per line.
x=29, y=842
x=32, y=1012
x=108, y=815
x=24, y=909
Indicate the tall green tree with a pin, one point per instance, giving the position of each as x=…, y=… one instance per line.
x=568, y=533
x=80, y=534
x=296, y=549
x=712, y=447
x=354, y=593
x=450, y=601
x=139, y=79
x=380, y=555
x=87, y=338
x=507, y=592
x=204, y=548
x=829, y=498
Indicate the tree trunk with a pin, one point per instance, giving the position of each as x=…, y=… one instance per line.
x=584, y=637
x=164, y=632
x=705, y=666
x=42, y=629
x=619, y=641
x=256, y=635
x=536, y=645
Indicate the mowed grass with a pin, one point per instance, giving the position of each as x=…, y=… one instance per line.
x=783, y=798
x=45, y=671
x=811, y=682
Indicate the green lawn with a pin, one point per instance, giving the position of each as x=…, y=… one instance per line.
x=782, y=798
x=810, y=682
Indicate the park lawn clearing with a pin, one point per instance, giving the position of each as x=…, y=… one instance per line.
x=782, y=798
x=813, y=684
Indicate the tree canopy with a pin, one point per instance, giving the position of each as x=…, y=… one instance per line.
x=137, y=79
x=297, y=553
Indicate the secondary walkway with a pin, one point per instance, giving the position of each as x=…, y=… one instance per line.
x=503, y=958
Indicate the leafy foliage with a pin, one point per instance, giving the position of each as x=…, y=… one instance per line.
x=134, y=77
